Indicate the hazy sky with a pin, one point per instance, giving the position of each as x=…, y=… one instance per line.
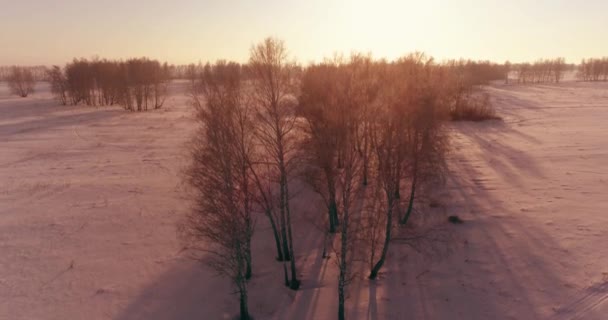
x=183, y=31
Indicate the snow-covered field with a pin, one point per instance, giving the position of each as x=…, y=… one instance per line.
x=90, y=198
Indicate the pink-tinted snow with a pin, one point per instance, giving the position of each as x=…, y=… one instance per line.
x=90, y=198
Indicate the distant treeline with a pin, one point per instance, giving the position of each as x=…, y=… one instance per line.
x=541, y=71
x=37, y=72
x=141, y=83
x=40, y=72
x=594, y=69
x=136, y=84
x=478, y=72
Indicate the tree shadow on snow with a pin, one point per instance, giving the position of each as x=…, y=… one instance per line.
x=50, y=117
x=184, y=292
x=503, y=262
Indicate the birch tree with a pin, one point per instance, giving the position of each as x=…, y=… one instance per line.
x=221, y=222
x=273, y=94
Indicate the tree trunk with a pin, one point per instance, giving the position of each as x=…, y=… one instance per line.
x=275, y=234
x=268, y=212
x=343, y=265
x=241, y=283
x=389, y=222
x=365, y=170
x=341, y=315
x=285, y=274
x=332, y=205
x=244, y=309
x=325, y=255
x=295, y=283
x=410, y=205
x=247, y=253
x=286, y=255
x=333, y=214
x=248, y=271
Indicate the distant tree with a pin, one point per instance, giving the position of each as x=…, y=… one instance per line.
x=161, y=76
x=21, y=81
x=192, y=72
x=593, y=69
x=507, y=71
x=559, y=67
x=80, y=81
x=59, y=84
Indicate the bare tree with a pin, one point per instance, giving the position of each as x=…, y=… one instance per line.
x=192, y=72
x=221, y=221
x=389, y=156
x=594, y=69
x=399, y=91
x=507, y=71
x=349, y=179
x=266, y=199
x=21, y=81
x=333, y=95
x=559, y=67
x=350, y=190
x=329, y=91
x=59, y=85
x=319, y=107
x=273, y=94
x=364, y=91
x=426, y=140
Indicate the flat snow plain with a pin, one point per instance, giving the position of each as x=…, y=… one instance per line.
x=90, y=198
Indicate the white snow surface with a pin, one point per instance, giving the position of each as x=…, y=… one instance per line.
x=90, y=199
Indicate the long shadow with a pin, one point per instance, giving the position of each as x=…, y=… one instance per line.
x=312, y=266
x=184, y=292
x=372, y=312
x=51, y=121
x=504, y=260
x=509, y=103
x=21, y=108
x=42, y=91
x=507, y=99
x=190, y=290
x=510, y=162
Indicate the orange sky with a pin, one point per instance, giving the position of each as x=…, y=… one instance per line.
x=53, y=32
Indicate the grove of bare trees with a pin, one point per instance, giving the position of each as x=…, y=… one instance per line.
x=38, y=72
x=21, y=81
x=367, y=136
x=136, y=84
x=541, y=71
x=478, y=72
x=594, y=69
